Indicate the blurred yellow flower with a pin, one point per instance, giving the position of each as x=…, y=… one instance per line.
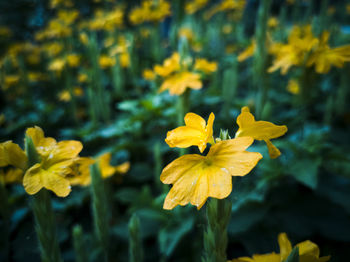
x=57, y=65
x=10, y=80
x=195, y=177
x=63, y=3
x=55, y=164
x=150, y=11
x=82, y=78
x=259, y=130
x=300, y=43
x=106, y=61
x=227, y=29
x=348, y=9
x=64, y=96
x=170, y=65
x=272, y=22
x=84, y=39
x=5, y=32
x=178, y=83
x=308, y=252
x=186, y=32
x=148, y=74
x=194, y=6
x=194, y=133
x=248, y=52
x=73, y=60
x=11, y=176
x=205, y=66
x=12, y=155
x=293, y=86
x=324, y=57
x=107, y=20
x=2, y=119
x=225, y=5
x=82, y=169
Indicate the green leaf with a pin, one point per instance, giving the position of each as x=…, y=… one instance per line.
x=293, y=256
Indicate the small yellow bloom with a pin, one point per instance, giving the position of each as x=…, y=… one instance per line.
x=73, y=60
x=169, y=66
x=248, y=52
x=308, y=252
x=293, y=86
x=82, y=169
x=195, y=5
x=57, y=65
x=11, y=176
x=272, y=22
x=324, y=57
x=186, y=32
x=64, y=96
x=148, y=74
x=205, y=66
x=195, y=177
x=194, y=133
x=10, y=80
x=84, y=39
x=259, y=130
x=82, y=78
x=178, y=83
x=106, y=61
x=348, y=9
x=55, y=165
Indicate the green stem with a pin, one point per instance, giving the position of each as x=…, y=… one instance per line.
x=182, y=109
x=215, y=236
x=135, y=242
x=100, y=210
x=79, y=246
x=45, y=227
x=260, y=56
x=73, y=101
x=230, y=84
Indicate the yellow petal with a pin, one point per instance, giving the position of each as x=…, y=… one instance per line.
x=123, y=168
x=12, y=154
x=195, y=133
x=274, y=152
x=40, y=141
x=106, y=169
x=309, y=248
x=36, y=178
x=285, y=246
x=267, y=258
x=64, y=150
x=81, y=171
x=196, y=177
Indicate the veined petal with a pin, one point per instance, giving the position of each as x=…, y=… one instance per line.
x=195, y=177
x=64, y=150
x=36, y=178
x=285, y=246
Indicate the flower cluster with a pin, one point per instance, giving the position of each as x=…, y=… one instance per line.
x=196, y=177
x=179, y=74
x=57, y=167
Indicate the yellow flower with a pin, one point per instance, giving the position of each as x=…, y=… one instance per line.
x=10, y=80
x=248, y=52
x=195, y=177
x=169, y=66
x=106, y=61
x=150, y=11
x=308, y=251
x=55, y=164
x=84, y=39
x=186, y=32
x=57, y=65
x=324, y=56
x=82, y=78
x=225, y=5
x=293, y=86
x=64, y=96
x=205, y=66
x=148, y=74
x=82, y=169
x=11, y=176
x=178, y=83
x=348, y=9
x=11, y=154
x=195, y=5
x=194, y=133
x=259, y=130
x=300, y=42
x=272, y=22
x=73, y=60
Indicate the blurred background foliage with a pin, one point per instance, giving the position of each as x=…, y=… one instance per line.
x=111, y=107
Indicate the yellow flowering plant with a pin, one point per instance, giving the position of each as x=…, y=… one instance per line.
x=179, y=74
x=308, y=252
x=53, y=164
